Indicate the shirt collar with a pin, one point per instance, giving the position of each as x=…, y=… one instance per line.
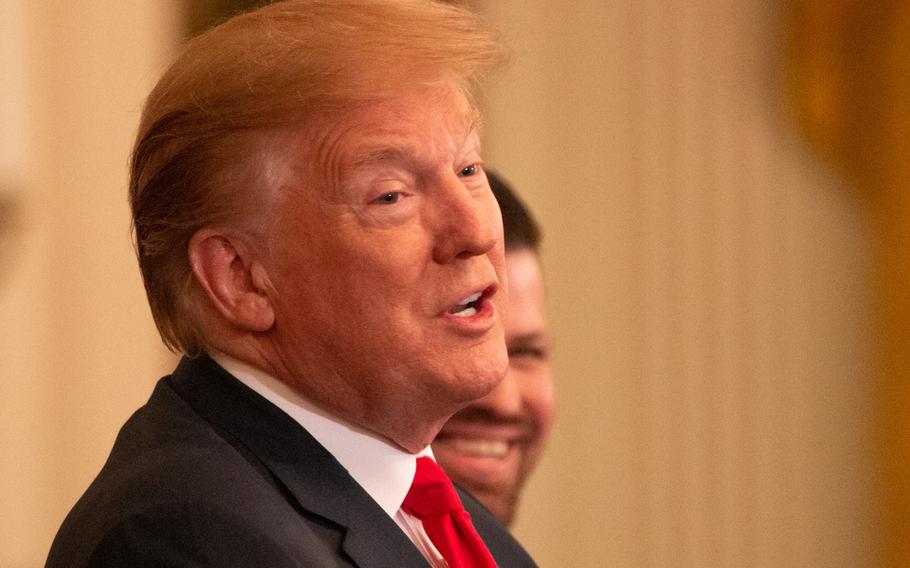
x=384, y=471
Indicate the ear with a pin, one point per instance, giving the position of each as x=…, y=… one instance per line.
x=236, y=284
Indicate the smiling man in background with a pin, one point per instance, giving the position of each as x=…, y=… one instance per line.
x=490, y=447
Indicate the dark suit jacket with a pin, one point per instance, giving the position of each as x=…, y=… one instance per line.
x=209, y=473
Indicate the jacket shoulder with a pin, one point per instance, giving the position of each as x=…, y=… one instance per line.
x=177, y=492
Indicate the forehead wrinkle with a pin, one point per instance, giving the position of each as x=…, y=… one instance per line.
x=405, y=153
x=470, y=125
x=473, y=122
x=328, y=157
x=335, y=165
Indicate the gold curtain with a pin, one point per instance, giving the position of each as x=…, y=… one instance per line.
x=849, y=86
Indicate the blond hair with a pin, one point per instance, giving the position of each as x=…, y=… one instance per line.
x=195, y=163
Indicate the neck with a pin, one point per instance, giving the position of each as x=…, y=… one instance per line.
x=394, y=421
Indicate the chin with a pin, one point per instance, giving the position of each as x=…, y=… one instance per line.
x=471, y=383
x=486, y=378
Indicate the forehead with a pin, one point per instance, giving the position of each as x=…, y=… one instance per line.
x=526, y=298
x=439, y=120
x=425, y=128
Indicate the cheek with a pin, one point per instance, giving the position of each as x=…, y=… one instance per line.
x=538, y=397
x=497, y=254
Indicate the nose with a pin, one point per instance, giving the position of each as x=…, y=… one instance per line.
x=504, y=400
x=468, y=222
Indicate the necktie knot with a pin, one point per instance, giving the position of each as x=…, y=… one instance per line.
x=433, y=499
x=431, y=492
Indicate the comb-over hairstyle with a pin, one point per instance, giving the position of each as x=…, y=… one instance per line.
x=201, y=156
x=520, y=229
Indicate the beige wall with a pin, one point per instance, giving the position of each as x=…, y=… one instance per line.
x=78, y=349
x=705, y=278
x=707, y=290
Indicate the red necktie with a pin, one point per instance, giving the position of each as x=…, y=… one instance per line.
x=433, y=500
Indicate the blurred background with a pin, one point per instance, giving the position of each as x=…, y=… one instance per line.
x=724, y=191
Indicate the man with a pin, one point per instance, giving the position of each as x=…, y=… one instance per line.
x=490, y=447
x=315, y=231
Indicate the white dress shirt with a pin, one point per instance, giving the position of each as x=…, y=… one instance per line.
x=384, y=471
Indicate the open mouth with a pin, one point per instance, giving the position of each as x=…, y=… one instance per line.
x=467, y=307
x=473, y=304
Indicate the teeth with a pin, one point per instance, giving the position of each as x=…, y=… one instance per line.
x=466, y=313
x=482, y=448
x=468, y=310
x=469, y=299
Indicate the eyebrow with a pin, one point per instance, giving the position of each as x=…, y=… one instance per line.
x=404, y=153
x=384, y=154
x=532, y=337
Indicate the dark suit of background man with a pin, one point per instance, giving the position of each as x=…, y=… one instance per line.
x=316, y=233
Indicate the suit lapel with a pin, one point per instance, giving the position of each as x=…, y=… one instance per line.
x=295, y=460
x=504, y=548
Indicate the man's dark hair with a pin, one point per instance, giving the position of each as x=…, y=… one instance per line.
x=520, y=228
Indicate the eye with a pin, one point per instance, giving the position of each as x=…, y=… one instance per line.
x=388, y=198
x=469, y=171
x=528, y=352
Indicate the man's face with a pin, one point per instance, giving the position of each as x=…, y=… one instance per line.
x=386, y=261
x=490, y=447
